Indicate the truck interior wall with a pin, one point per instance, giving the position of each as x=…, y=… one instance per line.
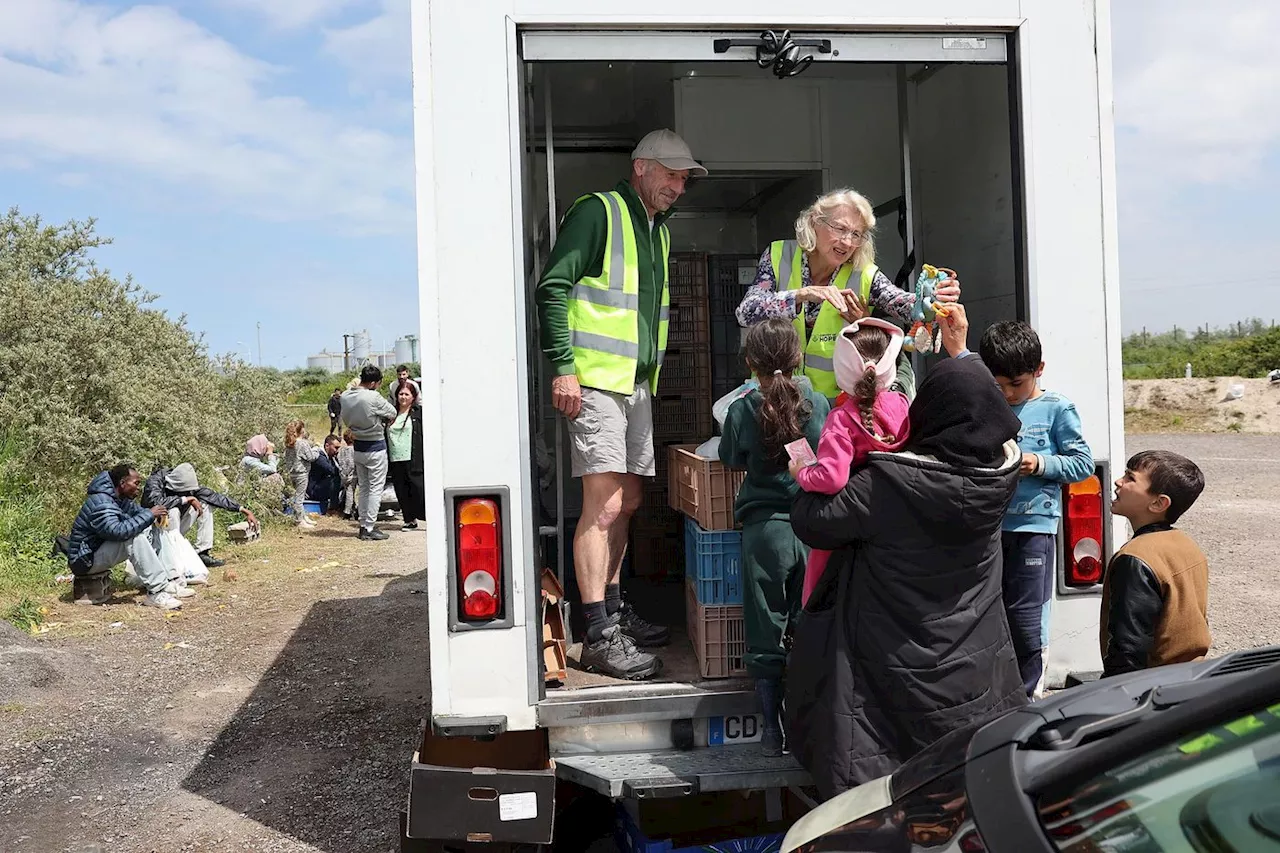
x=964, y=188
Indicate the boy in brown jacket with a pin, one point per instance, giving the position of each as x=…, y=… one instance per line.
x=1156, y=591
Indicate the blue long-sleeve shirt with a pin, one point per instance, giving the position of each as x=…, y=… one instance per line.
x=1051, y=430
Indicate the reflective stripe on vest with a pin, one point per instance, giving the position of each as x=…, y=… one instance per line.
x=819, y=345
x=604, y=310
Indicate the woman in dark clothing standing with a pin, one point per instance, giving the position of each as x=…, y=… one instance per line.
x=404, y=456
x=905, y=638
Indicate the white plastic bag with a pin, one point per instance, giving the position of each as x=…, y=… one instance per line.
x=709, y=449
x=181, y=557
x=1235, y=392
x=720, y=409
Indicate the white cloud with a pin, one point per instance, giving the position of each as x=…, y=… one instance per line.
x=293, y=14
x=1196, y=86
x=377, y=48
x=145, y=96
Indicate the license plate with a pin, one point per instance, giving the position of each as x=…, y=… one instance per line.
x=735, y=728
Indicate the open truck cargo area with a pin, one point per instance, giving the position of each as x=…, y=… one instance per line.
x=980, y=130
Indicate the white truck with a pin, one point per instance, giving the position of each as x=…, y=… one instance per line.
x=981, y=129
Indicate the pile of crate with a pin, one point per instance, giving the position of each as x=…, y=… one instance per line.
x=703, y=490
x=681, y=414
x=728, y=277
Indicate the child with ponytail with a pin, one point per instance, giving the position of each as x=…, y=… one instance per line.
x=756, y=431
x=868, y=417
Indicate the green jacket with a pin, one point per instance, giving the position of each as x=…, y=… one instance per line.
x=579, y=252
x=769, y=488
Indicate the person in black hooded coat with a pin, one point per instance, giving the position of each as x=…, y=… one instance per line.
x=905, y=638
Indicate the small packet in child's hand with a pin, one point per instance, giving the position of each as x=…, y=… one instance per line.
x=800, y=452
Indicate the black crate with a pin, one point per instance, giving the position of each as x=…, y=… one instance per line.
x=685, y=419
x=687, y=277
x=728, y=277
x=689, y=327
x=727, y=369
x=685, y=372
x=656, y=555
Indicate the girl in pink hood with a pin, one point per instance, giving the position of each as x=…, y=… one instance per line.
x=869, y=418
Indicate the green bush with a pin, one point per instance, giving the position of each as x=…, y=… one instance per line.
x=1248, y=349
x=91, y=374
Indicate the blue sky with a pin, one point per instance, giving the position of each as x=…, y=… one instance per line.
x=252, y=159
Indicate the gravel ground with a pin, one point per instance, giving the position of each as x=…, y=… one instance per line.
x=279, y=711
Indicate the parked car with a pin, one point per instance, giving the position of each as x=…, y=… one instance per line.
x=1183, y=757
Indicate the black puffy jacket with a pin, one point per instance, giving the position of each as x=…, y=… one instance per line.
x=905, y=638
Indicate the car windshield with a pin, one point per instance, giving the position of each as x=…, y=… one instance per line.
x=1215, y=790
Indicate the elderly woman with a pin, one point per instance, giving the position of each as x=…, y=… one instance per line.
x=825, y=279
x=905, y=638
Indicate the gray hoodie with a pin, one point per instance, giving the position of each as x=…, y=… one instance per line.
x=365, y=412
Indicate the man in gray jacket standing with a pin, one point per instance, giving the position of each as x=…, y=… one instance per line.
x=366, y=412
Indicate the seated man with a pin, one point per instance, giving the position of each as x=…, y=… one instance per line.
x=324, y=484
x=111, y=528
x=179, y=492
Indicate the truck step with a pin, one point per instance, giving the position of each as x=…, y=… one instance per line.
x=646, y=702
x=676, y=773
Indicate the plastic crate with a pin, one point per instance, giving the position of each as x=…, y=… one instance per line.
x=713, y=560
x=728, y=371
x=310, y=507
x=703, y=489
x=654, y=554
x=728, y=277
x=687, y=277
x=685, y=372
x=682, y=419
x=631, y=838
x=718, y=635
x=688, y=326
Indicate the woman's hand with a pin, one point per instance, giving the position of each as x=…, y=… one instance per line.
x=854, y=307
x=833, y=296
x=948, y=291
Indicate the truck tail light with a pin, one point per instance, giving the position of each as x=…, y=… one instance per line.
x=479, y=559
x=1082, y=525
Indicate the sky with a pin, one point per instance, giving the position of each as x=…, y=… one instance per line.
x=252, y=159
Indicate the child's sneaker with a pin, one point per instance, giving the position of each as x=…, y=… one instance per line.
x=201, y=579
x=161, y=600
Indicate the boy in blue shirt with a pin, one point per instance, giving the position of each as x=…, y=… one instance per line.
x=1054, y=453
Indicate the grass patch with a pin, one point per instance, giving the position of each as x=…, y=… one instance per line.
x=25, y=615
x=1168, y=420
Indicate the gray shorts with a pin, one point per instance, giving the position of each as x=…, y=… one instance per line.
x=613, y=434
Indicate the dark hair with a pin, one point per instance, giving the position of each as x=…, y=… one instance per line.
x=337, y=390
x=1010, y=349
x=403, y=367
x=331, y=439
x=871, y=343
x=370, y=374
x=411, y=388
x=772, y=350
x=120, y=473
x=1176, y=477
x=348, y=437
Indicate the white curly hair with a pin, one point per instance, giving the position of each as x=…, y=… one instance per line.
x=831, y=204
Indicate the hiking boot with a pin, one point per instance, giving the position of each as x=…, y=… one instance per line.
x=643, y=633
x=211, y=561
x=162, y=600
x=375, y=534
x=617, y=656
x=769, y=690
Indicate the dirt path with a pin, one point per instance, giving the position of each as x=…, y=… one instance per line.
x=278, y=712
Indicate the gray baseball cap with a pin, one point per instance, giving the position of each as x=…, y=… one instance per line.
x=670, y=150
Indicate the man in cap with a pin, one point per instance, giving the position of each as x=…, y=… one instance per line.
x=602, y=309
x=179, y=491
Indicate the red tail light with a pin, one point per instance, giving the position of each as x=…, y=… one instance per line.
x=1082, y=523
x=479, y=559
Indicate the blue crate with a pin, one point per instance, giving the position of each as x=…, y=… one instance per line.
x=631, y=839
x=713, y=559
x=307, y=506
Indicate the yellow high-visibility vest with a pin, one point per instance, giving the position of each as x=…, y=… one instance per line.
x=819, y=346
x=604, y=310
